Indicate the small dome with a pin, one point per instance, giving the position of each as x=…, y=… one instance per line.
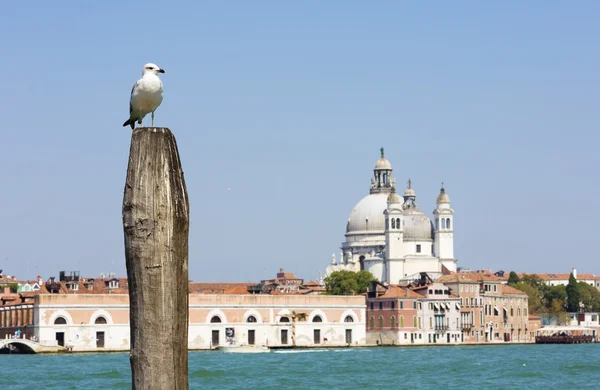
x=417, y=226
x=410, y=192
x=383, y=164
x=443, y=196
x=393, y=197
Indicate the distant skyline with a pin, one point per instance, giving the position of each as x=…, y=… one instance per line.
x=280, y=109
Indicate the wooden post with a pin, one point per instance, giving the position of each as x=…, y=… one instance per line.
x=156, y=227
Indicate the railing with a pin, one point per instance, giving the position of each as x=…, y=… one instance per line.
x=442, y=328
x=466, y=326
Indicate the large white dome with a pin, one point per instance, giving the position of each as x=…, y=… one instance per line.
x=367, y=215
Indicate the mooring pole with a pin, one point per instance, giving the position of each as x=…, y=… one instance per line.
x=156, y=227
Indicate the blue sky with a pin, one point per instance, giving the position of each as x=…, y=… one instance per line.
x=280, y=108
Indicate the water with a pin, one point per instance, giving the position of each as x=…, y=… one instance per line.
x=460, y=367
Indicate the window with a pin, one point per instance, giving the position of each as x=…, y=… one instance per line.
x=393, y=223
x=401, y=304
x=393, y=305
x=448, y=223
x=380, y=305
x=415, y=322
x=460, y=288
x=430, y=323
x=419, y=322
x=393, y=322
x=430, y=291
x=512, y=313
x=414, y=305
x=100, y=320
x=284, y=319
x=251, y=319
x=443, y=223
x=317, y=319
x=60, y=321
x=398, y=223
x=495, y=288
x=372, y=322
x=372, y=306
x=348, y=319
x=380, y=322
x=215, y=319
x=418, y=248
x=402, y=321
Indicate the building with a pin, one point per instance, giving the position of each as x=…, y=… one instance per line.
x=421, y=313
x=100, y=322
x=389, y=236
x=284, y=282
x=490, y=310
x=561, y=279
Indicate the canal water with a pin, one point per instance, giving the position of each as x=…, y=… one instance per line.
x=459, y=367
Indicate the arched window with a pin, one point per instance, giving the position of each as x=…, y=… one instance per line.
x=393, y=223
x=448, y=223
x=60, y=321
x=393, y=322
x=215, y=319
x=380, y=321
x=348, y=319
x=402, y=321
x=251, y=319
x=317, y=319
x=100, y=321
x=398, y=223
x=372, y=322
x=443, y=223
x=284, y=319
x=415, y=322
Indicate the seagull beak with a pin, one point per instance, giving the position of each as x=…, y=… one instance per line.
x=161, y=71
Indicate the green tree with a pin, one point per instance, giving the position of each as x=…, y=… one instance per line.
x=347, y=282
x=589, y=297
x=551, y=293
x=534, y=297
x=557, y=308
x=572, y=295
x=513, y=278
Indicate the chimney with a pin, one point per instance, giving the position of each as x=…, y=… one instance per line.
x=574, y=272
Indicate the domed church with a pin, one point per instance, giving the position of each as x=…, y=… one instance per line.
x=389, y=236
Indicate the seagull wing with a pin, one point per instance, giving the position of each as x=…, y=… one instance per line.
x=131, y=97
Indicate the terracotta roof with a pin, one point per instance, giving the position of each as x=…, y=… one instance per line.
x=467, y=277
x=508, y=290
x=219, y=288
x=399, y=292
x=311, y=283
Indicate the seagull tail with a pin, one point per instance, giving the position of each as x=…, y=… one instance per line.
x=130, y=123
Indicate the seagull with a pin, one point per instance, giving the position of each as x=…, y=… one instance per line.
x=146, y=95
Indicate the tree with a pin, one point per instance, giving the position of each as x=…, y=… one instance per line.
x=572, y=295
x=557, y=308
x=589, y=297
x=348, y=282
x=535, y=297
x=513, y=278
x=552, y=293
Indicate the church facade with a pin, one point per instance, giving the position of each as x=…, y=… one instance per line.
x=389, y=236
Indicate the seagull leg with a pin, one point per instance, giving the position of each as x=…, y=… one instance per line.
x=152, y=118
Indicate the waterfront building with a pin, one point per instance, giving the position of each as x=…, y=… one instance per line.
x=422, y=313
x=491, y=310
x=100, y=322
x=389, y=236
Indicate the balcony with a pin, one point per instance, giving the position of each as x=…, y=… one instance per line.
x=466, y=326
x=441, y=328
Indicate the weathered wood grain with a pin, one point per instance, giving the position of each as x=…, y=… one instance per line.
x=156, y=227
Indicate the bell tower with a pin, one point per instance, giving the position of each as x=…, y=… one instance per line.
x=444, y=231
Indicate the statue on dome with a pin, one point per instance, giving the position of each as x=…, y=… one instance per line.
x=382, y=155
x=333, y=261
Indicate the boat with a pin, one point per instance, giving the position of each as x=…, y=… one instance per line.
x=244, y=349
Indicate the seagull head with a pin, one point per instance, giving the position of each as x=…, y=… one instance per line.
x=152, y=68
